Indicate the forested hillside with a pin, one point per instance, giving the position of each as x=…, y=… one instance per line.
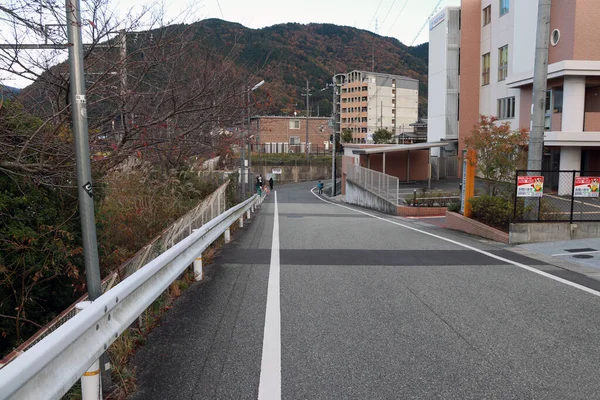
x=288, y=54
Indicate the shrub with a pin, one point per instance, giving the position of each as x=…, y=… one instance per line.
x=454, y=207
x=492, y=210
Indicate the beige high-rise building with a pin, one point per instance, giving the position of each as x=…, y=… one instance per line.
x=367, y=101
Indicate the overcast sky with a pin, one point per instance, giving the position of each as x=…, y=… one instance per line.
x=401, y=19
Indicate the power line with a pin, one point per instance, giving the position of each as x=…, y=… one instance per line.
x=397, y=16
x=388, y=13
x=426, y=21
x=374, y=15
x=219, y=4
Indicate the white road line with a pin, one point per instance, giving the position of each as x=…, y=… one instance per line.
x=575, y=253
x=269, y=387
x=466, y=246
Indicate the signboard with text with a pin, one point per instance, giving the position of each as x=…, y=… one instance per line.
x=586, y=186
x=276, y=171
x=530, y=186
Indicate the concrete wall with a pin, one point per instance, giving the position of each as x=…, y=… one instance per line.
x=292, y=174
x=361, y=197
x=552, y=232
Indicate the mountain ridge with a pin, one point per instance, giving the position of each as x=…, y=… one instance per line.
x=290, y=53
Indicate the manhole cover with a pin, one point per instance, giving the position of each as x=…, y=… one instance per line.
x=583, y=256
x=580, y=250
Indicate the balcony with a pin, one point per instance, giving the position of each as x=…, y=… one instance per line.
x=572, y=139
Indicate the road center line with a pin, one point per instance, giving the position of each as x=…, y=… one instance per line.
x=466, y=246
x=269, y=387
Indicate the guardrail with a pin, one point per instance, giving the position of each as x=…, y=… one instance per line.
x=205, y=211
x=382, y=185
x=52, y=366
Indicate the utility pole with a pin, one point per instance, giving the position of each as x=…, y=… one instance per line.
x=82, y=159
x=307, y=111
x=333, y=140
x=242, y=158
x=540, y=77
x=249, y=147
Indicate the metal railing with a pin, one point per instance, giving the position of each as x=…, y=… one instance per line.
x=385, y=186
x=560, y=196
x=54, y=364
x=206, y=210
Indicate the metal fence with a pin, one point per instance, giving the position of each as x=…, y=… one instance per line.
x=556, y=196
x=209, y=208
x=443, y=167
x=282, y=147
x=382, y=185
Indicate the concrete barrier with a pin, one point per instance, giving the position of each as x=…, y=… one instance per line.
x=364, y=198
x=522, y=233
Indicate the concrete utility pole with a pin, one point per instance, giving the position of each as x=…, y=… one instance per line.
x=242, y=159
x=82, y=158
x=82, y=150
x=540, y=77
x=307, y=95
x=333, y=150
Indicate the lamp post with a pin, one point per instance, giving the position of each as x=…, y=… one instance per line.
x=242, y=174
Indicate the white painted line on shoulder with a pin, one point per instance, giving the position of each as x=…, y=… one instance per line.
x=466, y=246
x=575, y=253
x=269, y=387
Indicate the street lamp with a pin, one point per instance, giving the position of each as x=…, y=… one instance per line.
x=243, y=144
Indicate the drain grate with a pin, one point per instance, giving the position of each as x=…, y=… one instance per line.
x=582, y=256
x=580, y=250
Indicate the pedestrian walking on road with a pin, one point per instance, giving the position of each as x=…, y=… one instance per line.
x=271, y=183
x=320, y=186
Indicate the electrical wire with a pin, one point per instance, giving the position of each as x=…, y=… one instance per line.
x=374, y=15
x=388, y=13
x=219, y=4
x=397, y=16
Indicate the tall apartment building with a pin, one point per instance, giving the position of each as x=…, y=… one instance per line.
x=367, y=101
x=497, y=49
x=442, y=111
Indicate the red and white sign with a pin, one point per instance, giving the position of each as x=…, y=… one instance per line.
x=586, y=186
x=530, y=186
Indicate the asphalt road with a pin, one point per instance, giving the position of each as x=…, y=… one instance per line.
x=372, y=307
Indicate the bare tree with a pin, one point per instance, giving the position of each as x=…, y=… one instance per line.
x=153, y=91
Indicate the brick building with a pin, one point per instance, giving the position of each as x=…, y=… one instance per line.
x=283, y=134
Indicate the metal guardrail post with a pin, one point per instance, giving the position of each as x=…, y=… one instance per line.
x=198, y=272
x=241, y=220
x=91, y=388
x=227, y=235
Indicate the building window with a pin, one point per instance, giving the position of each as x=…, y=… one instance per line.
x=504, y=7
x=294, y=140
x=506, y=108
x=487, y=15
x=294, y=124
x=502, y=63
x=485, y=74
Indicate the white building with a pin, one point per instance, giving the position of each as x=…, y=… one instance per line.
x=442, y=110
x=497, y=49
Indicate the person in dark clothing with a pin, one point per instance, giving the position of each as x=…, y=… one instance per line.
x=271, y=183
x=320, y=186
